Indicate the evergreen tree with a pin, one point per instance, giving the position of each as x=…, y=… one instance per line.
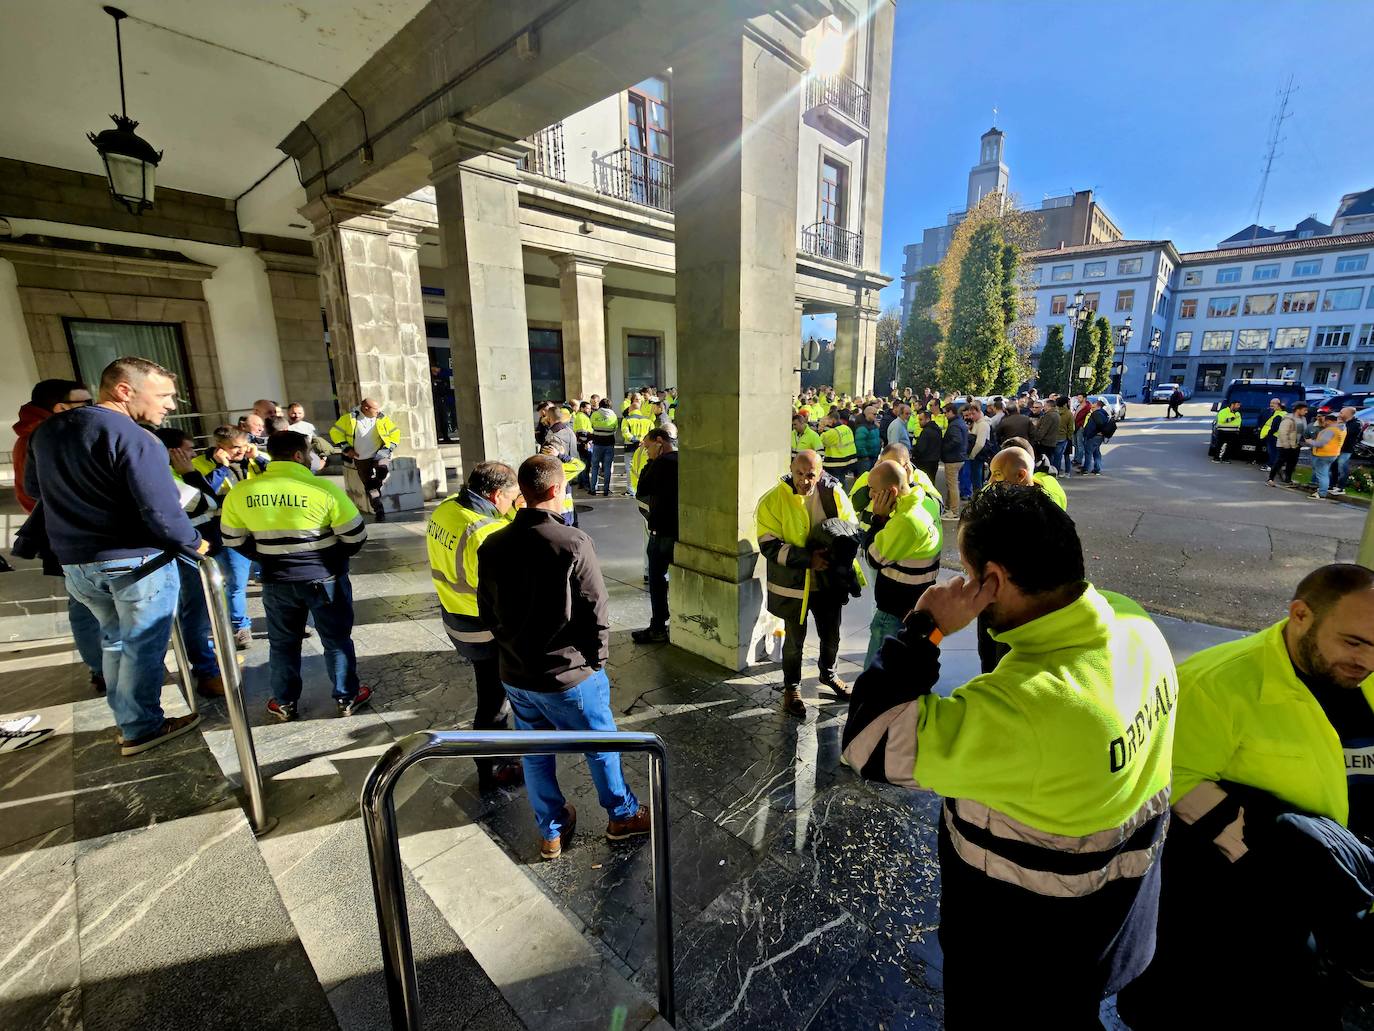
x=1053, y=363
x=922, y=337
x=1102, y=357
x=978, y=328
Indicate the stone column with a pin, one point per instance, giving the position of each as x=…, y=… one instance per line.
x=736, y=115
x=800, y=310
x=856, y=349
x=584, y=325
x=475, y=185
x=370, y=286
x=295, y=286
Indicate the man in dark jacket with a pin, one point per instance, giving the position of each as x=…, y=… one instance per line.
x=925, y=451
x=953, y=452
x=1095, y=433
x=540, y=592
x=113, y=517
x=657, y=497
x=1015, y=423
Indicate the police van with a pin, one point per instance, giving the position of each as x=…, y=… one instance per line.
x=1254, y=396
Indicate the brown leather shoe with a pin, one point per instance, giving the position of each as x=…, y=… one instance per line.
x=792, y=703
x=837, y=685
x=171, y=728
x=210, y=687
x=631, y=827
x=553, y=848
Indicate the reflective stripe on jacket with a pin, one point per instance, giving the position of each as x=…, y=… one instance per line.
x=783, y=526
x=905, y=552
x=1228, y=420
x=343, y=431
x=840, y=450
x=633, y=427
x=807, y=440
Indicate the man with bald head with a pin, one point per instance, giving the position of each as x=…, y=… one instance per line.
x=798, y=578
x=903, y=547
x=1016, y=465
x=368, y=437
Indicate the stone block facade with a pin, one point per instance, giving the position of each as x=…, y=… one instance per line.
x=296, y=308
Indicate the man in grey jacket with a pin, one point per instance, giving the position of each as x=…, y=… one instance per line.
x=1291, y=434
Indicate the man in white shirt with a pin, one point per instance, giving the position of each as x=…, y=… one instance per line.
x=979, y=446
x=295, y=417
x=368, y=436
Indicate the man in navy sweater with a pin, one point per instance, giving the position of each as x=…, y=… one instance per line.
x=112, y=513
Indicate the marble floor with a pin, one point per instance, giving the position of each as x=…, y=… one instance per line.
x=802, y=897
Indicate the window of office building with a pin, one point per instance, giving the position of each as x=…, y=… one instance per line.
x=1367, y=335
x=1334, y=336
x=1321, y=375
x=1128, y=266
x=1090, y=301
x=1193, y=278
x=1162, y=304
x=1362, y=373
x=1217, y=340
x=1061, y=273
x=641, y=360
x=1058, y=304
x=1187, y=308
x=1265, y=271
x=1352, y=263
x=1310, y=267
x=546, y=364
x=1299, y=301
x=1291, y=338
x=1252, y=340
x=1222, y=307
x=1228, y=275
x=1183, y=342
x=94, y=344
x=833, y=192
x=1125, y=300
x=1343, y=299
x=1261, y=304
x=1094, y=269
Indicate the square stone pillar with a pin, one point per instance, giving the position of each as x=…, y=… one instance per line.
x=584, y=326
x=369, y=272
x=295, y=286
x=856, y=349
x=736, y=116
x=475, y=187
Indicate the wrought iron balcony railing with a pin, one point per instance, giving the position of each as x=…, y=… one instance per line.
x=840, y=92
x=824, y=240
x=634, y=176
x=547, y=158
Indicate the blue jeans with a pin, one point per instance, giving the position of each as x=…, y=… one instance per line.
x=86, y=633
x=135, y=629
x=1271, y=446
x=585, y=706
x=1321, y=473
x=1343, y=468
x=1078, y=448
x=1061, y=457
x=194, y=618
x=331, y=603
x=1092, y=447
x=965, y=481
x=977, y=471
x=883, y=626
x=603, y=461
x=235, y=567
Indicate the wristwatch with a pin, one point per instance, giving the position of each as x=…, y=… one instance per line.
x=923, y=624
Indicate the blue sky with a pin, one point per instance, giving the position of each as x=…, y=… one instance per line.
x=1161, y=107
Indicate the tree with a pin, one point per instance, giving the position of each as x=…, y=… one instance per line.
x=889, y=333
x=978, y=329
x=1102, y=357
x=922, y=338
x=1053, y=363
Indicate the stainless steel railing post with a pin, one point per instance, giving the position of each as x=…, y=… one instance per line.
x=184, y=675
x=212, y=586
x=384, y=846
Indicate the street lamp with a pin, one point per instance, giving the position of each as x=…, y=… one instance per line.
x=1077, y=315
x=1124, y=335
x=1149, y=390
x=130, y=161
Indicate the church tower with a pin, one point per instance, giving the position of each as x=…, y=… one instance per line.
x=991, y=174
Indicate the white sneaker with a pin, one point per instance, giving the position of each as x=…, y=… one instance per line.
x=19, y=725
x=12, y=741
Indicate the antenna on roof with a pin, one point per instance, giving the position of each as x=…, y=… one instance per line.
x=1281, y=115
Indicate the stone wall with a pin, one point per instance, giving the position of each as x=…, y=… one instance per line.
x=296, y=307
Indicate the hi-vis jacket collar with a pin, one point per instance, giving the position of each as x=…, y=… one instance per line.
x=286, y=467
x=1280, y=683
x=1078, y=624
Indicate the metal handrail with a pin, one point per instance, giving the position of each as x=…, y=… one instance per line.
x=827, y=240
x=226, y=654
x=384, y=845
x=840, y=92
x=632, y=175
x=185, y=676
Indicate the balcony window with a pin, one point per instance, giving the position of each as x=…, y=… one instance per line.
x=547, y=157
x=630, y=175
x=837, y=243
x=834, y=192
x=650, y=126
x=1343, y=299
x=835, y=104
x=1298, y=301
x=1222, y=307
x=1292, y=338
x=1217, y=340
x=1261, y=304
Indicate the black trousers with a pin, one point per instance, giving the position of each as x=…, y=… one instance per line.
x=1173, y=412
x=659, y=551
x=1286, y=462
x=928, y=468
x=824, y=608
x=492, y=708
x=373, y=472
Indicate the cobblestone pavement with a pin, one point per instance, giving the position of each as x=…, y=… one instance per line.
x=1193, y=539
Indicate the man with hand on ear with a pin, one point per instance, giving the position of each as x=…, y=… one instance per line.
x=1054, y=767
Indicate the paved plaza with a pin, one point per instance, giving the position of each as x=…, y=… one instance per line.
x=803, y=897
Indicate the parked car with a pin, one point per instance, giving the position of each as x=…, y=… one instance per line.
x=1314, y=395
x=1254, y=396
x=1113, y=403
x=1165, y=391
x=1336, y=402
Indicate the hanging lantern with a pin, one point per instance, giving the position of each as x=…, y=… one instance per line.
x=130, y=161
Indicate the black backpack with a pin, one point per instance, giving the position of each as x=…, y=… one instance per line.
x=1108, y=431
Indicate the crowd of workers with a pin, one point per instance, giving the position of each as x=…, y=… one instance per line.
x=1193, y=839
x=1331, y=436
